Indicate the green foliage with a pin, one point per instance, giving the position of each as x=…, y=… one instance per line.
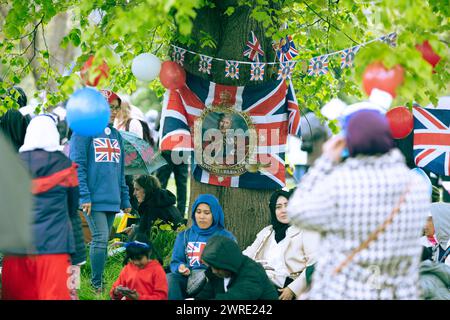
x=128, y=28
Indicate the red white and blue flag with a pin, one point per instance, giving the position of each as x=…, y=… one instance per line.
x=204, y=65
x=318, y=66
x=348, y=56
x=106, y=150
x=285, y=70
x=285, y=49
x=257, y=72
x=272, y=108
x=232, y=69
x=178, y=55
x=432, y=139
x=254, y=50
x=194, y=252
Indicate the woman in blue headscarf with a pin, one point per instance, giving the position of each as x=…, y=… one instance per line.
x=207, y=221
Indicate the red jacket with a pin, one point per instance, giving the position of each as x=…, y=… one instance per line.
x=150, y=282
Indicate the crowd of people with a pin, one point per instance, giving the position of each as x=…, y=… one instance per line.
x=351, y=229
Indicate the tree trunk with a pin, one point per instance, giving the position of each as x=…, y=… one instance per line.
x=246, y=211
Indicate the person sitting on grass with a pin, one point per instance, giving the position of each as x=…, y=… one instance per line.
x=154, y=203
x=141, y=278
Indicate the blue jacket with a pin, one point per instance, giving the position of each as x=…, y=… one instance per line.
x=57, y=225
x=190, y=243
x=100, y=162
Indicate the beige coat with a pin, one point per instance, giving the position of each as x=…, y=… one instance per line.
x=299, y=252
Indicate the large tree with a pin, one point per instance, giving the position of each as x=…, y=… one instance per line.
x=220, y=28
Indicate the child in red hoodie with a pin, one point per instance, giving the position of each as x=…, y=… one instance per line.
x=141, y=278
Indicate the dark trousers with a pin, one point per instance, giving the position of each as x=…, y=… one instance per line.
x=180, y=172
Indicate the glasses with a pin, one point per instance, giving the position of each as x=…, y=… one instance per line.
x=114, y=107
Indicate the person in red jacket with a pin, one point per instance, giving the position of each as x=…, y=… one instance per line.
x=141, y=278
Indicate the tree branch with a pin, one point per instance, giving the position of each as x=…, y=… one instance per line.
x=323, y=19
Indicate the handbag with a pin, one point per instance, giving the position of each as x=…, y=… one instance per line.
x=196, y=281
x=374, y=235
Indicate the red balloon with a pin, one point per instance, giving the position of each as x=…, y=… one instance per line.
x=172, y=75
x=401, y=122
x=102, y=69
x=428, y=54
x=377, y=76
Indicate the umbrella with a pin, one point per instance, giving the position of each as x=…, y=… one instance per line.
x=15, y=200
x=140, y=158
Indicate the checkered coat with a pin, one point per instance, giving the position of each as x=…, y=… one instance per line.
x=346, y=203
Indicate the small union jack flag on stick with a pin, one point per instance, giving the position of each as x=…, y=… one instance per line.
x=348, y=56
x=285, y=70
x=318, y=66
x=232, y=69
x=285, y=49
x=178, y=55
x=257, y=72
x=205, y=64
x=254, y=50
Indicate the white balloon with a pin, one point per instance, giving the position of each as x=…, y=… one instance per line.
x=146, y=67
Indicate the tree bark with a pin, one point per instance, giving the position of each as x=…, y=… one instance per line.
x=246, y=211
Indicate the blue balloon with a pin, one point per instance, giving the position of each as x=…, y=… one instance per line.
x=88, y=112
x=425, y=177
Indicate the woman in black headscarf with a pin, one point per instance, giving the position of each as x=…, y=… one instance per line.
x=284, y=250
x=14, y=126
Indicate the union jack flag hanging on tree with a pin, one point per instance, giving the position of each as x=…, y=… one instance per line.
x=432, y=139
x=257, y=72
x=347, y=57
x=232, y=69
x=272, y=108
x=178, y=55
x=285, y=70
x=106, y=150
x=205, y=64
x=286, y=49
x=254, y=51
x=318, y=66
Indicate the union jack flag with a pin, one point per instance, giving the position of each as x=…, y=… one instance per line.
x=194, y=252
x=254, y=51
x=432, y=139
x=286, y=49
x=347, y=57
x=285, y=70
x=318, y=66
x=390, y=39
x=272, y=108
x=257, y=72
x=178, y=55
x=205, y=64
x=106, y=150
x=232, y=69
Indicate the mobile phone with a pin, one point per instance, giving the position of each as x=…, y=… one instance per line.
x=124, y=290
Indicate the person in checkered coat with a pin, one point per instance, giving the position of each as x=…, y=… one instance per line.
x=347, y=200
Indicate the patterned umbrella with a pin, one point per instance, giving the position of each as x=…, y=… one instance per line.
x=140, y=158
